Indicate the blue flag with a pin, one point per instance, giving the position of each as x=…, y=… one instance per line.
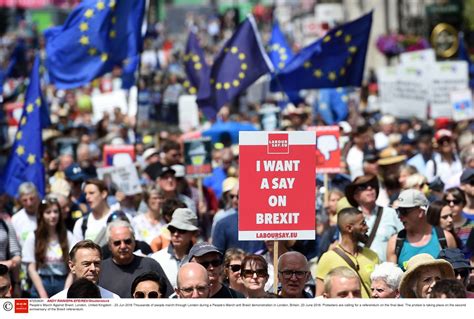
x=97, y=35
x=195, y=64
x=332, y=105
x=278, y=50
x=239, y=64
x=463, y=55
x=25, y=161
x=336, y=60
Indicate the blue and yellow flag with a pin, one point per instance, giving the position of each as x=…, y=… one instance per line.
x=239, y=64
x=279, y=51
x=25, y=161
x=195, y=64
x=336, y=60
x=97, y=35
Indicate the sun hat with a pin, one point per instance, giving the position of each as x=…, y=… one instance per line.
x=417, y=263
x=150, y=152
x=358, y=181
x=184, y=219
x=389, y=156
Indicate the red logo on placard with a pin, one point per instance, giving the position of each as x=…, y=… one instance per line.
x=278, y=144
x=21, y=306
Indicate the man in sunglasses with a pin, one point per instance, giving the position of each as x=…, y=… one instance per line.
x=362, y=193
x=418, y=236
x=183, y=231
x=119, y=271
x=212, y=260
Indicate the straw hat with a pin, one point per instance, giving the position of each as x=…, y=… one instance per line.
x=361, y=180
x=417, y=263
x=389, y=156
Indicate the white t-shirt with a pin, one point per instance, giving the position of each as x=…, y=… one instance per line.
x=24, y=224
x=54, y=263
x=355, y=160
x=106, y=294
x=144, y=230
x=94, y=226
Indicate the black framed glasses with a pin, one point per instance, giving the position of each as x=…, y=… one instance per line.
x=127, y=242
x=287, y=274
x=150, y=294
x=214, y=263
x=235, y=267
x=248, y=273
x=403, y=211
x=454, y=201
x=176, y=230
x=189, y=290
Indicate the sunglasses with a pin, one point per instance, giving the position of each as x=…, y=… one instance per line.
x=150, y=294
x=231, y=196
x=127, y=242
x=463, y=273
x=189, y=290
x=176, y=230
x=235, y=267
x=454, y=201
x=404, y=211
x=363, y=187
x=214, y=263
x=248, y=273
x=287, y=274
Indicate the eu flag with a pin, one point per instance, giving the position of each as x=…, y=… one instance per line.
x=463, y=54
x=195, y=64
x=97, y=36
x=336, y=60
x=332, y=105
x=278, y=50
x=240, y=63
x=25, y=161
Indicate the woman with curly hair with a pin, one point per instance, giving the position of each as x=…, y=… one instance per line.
x=46, y=251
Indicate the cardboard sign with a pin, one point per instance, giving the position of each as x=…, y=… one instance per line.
x=124, y=177
x=462, y=107
x=106, y=102
x=277, y=185
x=197, y=157
x=328, y=151
x=188, y=113
x=118, y=155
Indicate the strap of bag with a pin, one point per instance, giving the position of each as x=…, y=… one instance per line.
x=349, y=261
x=374, y=229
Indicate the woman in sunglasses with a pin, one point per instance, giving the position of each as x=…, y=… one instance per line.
x=254, y=274
x=456, y=199
x=148, y=285
x=232, y=264
x=46, y=251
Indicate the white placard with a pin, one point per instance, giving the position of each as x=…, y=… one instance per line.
x=462, y=107
x=125, y=177
x=427, y=56
x=446, y=77
x=106, y=102
x=188, y=113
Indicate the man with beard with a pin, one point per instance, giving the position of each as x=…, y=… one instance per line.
x=353, y=228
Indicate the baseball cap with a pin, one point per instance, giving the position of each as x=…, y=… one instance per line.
x=150, y=152
x=184, y=219
x=455, y=257
x=75, y=173
x=467, y=175
x=443, y=133
x=200, y=249
x=412, y=198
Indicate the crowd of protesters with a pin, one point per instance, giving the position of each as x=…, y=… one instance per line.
x=397, y=221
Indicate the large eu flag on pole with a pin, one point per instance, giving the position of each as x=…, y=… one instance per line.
x=97, y=35
x=195, y=64
x=239, y=64
x=336, y=60
x=25, y=161
x=279, y=51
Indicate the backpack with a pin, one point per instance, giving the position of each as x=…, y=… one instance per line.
x=402, y=235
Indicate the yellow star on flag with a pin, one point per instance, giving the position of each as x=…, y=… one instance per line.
x=84, y=26
x=30, y=108
x=89, y=13
x=38, y=102
x=19, y=135
x=84, y=40
x=31, y=159
x=113, y=33
x=23, y=121
x=20, y=150
x=318, y=73
x=100, y=5
x=104, y=57
x=332, y=76
x=307, y=65
x=92, y=51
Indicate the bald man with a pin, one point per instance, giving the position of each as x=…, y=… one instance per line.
x=192, y=281
x=293, y=274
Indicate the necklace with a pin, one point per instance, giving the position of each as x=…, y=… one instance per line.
x=353, y=255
